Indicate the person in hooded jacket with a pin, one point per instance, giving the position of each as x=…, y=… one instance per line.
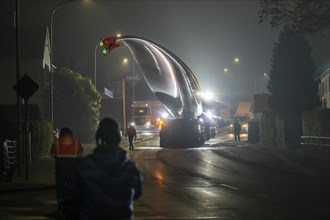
x=107, y=181
x=131, y=133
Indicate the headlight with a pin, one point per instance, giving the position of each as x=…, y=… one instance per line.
x=165, y=115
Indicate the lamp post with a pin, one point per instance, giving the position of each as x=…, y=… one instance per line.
x=133, y=84
x=95, y=64
x=266, y=78
x=125, y=62
x=226, y=70
x=51, y=60
x=124, y=104
x=239, y=80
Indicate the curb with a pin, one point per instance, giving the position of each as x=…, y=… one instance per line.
x=28, y=189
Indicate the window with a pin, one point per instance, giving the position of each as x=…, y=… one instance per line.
x=322, y=89
x=141, y=111
x=140, y=121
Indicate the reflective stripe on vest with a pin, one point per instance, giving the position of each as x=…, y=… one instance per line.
x=64, y=149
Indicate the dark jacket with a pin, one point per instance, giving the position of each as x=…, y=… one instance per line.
x=107, y=182
x=237, y=127
x=131, y=132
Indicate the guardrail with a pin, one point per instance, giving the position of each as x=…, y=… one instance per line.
x=8, y=159
x=314, y=144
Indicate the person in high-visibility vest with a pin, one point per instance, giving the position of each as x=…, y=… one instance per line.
x=67, y=150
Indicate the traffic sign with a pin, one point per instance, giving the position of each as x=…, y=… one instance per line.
x=26, y=87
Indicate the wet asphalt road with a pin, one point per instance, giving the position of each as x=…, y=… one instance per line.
x=203, y=183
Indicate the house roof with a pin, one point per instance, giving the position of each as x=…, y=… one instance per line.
x=324, y=74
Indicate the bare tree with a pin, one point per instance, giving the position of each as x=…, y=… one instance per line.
x=302, y=16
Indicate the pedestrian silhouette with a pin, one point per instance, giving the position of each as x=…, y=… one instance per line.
x=107, y=181
x=131, y=133
x=237, y=130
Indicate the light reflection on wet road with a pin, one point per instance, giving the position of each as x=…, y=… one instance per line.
x=200, y=183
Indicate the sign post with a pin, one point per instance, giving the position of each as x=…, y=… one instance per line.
x=26, y=87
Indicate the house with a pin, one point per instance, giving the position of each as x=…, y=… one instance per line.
x=324, y=88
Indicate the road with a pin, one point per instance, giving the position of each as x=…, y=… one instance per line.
x=204, y=183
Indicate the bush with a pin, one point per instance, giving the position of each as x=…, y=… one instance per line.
x=271, y=130
x=316, y=123
x=76, y=104
x=41, y=138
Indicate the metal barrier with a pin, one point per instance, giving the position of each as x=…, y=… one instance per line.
x=319, y=145
x=8, y=159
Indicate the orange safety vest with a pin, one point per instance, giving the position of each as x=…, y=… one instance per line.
x=67, y=146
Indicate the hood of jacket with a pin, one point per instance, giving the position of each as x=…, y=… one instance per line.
x=106, y=157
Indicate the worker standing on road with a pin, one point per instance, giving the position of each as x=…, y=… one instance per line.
x=107, y=181
x=67, y=150
x=131, y=133
x=237, y=130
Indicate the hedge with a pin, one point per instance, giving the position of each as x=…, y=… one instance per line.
x=316, y=123
x=271, y=130
x=41, y=138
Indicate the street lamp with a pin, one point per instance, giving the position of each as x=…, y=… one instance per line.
x=51, y=60
x=266, y=78
x=95, y=64
x=126, y=62
x=226, y=70
x=124, y=104
x=237, y=60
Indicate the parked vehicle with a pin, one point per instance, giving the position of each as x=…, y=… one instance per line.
x=146, y=114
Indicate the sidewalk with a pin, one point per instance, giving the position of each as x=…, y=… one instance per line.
x=42, y=173
x=34, y=198
x=41, y=177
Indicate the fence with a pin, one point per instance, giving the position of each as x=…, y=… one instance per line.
x=319, y=145
x=8, y=159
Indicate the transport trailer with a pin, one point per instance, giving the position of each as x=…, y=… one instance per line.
x=182, y=133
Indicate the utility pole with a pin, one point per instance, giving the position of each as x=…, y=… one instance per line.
x=18, y=98
x=124, y=105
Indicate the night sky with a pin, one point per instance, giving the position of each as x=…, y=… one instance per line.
x=206, y=35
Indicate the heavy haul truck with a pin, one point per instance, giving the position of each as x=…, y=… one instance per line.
x=175, y=86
